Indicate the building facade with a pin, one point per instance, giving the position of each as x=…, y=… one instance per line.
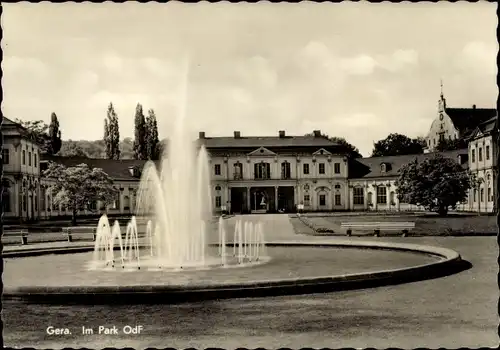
x=21, y=177
x=483, y=157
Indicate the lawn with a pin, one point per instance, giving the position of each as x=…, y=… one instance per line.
x=425, y=224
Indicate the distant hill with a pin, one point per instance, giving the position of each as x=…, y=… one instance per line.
x=95, y=149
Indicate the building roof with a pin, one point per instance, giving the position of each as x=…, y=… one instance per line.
x=372, y=167
x=467, y=119
x=252, y=142
x=116, y=169
x=485, y=128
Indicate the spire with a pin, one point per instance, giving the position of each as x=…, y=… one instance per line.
x=442, y=100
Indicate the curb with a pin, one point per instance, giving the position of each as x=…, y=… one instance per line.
x=449, y=263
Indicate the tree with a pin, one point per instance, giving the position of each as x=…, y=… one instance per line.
x=397, y=144
x=140, y=134
x=152, y=141
x=55, y=142
x=72, y=149
x=112, y=134
x=344, y=145
x=76, y=187
x=37, y=130
x=436, y=183
x=47, y=136
x=450, y=145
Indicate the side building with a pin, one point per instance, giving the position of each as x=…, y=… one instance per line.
x=21, y=173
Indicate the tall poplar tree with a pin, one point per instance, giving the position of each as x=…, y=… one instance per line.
x=55, y=142
x=107, y=142
x=112, y=134
x=152, y=141
x=140, y=134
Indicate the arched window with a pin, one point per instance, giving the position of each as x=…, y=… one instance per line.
x=370, y=199
x=285, y=170
x=6, y=196
x=217, y=188
x=338, y=187
x=392, y=198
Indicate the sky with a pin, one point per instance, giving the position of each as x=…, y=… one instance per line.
x=354, y=70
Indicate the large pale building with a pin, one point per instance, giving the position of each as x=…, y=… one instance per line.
x=250, y=175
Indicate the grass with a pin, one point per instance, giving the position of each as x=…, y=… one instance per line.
x=425, y=224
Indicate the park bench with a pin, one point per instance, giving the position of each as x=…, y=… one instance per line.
x=22, y=234
x=404, y=227
x=71, y=232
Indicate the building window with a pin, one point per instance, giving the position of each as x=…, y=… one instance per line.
x=338, y=199
x=434, y=142
x=238, y=171
x=475, y=195
x=35, y=200
x=392, y=198
x=307, y=198
x=116, y=203
x=337, y=187
x=29, y=158
x=217, y=169
x=358, y=196
x=6, y=196
x=217, y=188
x=381, y=195
x=35, y=162
x=481, y=195
x=336, y=168
x=126, y=203
x=306, y=169
x=93, y=205
x=473, y=155
x=24, y=157
x=262, y=171
x=480, y=154
x=487, y=151
x=285, y=170
x=43, y=200
x=218, y=201
x=490, y=197
x=321, y=168
x=5, y=156
x=322, y=200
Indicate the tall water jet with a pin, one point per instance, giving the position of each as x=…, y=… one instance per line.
x=177, y=196
x=174, y=203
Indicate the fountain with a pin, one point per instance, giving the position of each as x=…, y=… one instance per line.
x=174, y=201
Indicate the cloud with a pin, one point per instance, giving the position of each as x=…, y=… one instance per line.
x=478, y=57
x=359, y=65
x=112, y=62
x=29, y=66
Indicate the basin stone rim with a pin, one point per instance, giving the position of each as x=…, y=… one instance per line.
x=447, y=259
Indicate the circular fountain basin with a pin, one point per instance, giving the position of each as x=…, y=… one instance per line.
x=295, y=268
x=148, y=263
